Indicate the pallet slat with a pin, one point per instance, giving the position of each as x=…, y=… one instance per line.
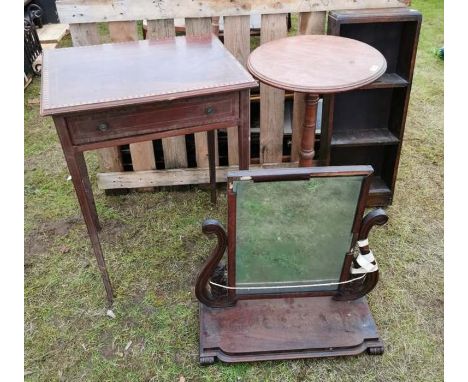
x=309, y=23
x=173, y=177
x=198, y=26
x=52, y=33
x=85, y=34
x=237, y=41
x=110, y=159
x=158, y=29
x=72, y=11
x=121, y=31
x=142, y=156
x=272, y=99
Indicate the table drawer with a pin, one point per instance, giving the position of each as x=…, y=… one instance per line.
x=155, y=117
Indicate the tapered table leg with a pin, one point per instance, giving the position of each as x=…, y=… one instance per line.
x=77, y=167
x=308, y=134
x=212, y=163
x=89, y=193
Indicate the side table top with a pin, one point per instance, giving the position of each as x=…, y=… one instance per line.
x=317, y=64
x=131, y=73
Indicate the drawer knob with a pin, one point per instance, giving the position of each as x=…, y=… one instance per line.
x=103, y=127
x=209, y=110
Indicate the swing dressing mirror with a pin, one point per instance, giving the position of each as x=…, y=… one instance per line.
x=293, y=286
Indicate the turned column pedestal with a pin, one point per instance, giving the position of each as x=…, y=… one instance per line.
x=308, y=133
x=315, y=65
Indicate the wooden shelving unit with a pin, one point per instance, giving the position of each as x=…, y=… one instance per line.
x=366, y=126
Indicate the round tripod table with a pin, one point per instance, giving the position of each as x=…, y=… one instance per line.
x=315, y=64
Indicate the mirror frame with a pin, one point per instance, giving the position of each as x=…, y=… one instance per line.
x=292, y=174
x=215, y=287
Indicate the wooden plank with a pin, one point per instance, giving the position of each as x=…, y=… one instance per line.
x=52, y=45
x=73, y=11
x=271, y=99
x=237, y=37
x=85, y=34
x=173, y=177
x=215, y=25
x=175, y=152
x=142, y=156
x=52, y=33
x=199, y=27
x=121, y=31
x=110, y=159
x=159, y=29
x=237, y=41
x=309, y=23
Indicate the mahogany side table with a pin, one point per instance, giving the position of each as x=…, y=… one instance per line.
x=114, y=94
x=315, y=64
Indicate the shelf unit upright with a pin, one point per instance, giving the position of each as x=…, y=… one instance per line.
x=366, y=126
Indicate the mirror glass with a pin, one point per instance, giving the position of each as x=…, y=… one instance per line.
x=293, y=233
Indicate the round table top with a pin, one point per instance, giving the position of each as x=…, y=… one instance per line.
x=316, y=64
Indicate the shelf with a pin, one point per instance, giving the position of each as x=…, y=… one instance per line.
x=388, y=80
x=378, y=186
x=374, y=137
x=380, y=193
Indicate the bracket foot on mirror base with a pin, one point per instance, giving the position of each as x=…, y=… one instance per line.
x=376, y=350
x=205, y=361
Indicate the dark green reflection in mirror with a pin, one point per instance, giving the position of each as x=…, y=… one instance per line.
x=293, y=232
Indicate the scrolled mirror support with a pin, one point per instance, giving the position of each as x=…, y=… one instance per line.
x=212, y=270
x=360, y=288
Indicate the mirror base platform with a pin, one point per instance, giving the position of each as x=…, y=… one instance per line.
x=288, y=328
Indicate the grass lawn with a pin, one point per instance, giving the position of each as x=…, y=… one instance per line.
x=154, y=248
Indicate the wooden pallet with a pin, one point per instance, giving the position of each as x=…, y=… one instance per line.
x=122, y=17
